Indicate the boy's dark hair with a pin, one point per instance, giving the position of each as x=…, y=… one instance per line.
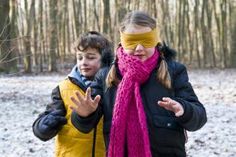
x=93, y=39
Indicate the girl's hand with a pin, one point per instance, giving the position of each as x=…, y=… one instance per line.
x=85, y=105
x=172, y=105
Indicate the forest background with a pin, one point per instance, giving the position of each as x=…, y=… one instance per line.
x=38, y=35
x=36, y=53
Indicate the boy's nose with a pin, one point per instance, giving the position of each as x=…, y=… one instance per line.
x=84, y=61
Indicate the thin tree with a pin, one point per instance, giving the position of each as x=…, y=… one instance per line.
x=106, y=18
x=196, y=30
x=233, y=36
x=5, y=30
x=27, y=39
x=52, y=66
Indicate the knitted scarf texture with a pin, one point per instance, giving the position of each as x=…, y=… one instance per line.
x=129, y=132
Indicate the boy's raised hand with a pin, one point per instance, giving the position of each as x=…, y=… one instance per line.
x=85, y=105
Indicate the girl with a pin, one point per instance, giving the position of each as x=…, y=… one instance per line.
x=93, y=52
x=147, y=100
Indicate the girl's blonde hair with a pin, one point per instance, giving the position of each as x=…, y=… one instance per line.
x=141, y=19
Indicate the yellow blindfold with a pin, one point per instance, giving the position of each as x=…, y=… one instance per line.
x=148, y=40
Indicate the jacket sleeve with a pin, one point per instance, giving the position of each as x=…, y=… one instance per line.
x=194, y=116
x=86, y=124
x=56, y=104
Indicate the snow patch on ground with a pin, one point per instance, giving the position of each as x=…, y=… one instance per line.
x=23, y=98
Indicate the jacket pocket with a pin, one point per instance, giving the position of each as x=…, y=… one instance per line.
x=166, y=134
x=166, y=122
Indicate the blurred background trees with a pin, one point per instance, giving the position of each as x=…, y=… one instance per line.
x=38, y=35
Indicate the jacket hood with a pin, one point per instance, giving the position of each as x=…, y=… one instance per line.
x=169, y=53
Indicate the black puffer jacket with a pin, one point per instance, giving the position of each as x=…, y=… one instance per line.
x=166, y=132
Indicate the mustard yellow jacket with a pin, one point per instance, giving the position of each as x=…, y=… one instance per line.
x=69, y=142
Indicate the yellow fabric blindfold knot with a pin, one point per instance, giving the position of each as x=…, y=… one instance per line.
x=148, y=40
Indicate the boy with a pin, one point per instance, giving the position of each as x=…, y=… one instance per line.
x=93, y=52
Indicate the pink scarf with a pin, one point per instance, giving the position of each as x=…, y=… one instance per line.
x=129, y=132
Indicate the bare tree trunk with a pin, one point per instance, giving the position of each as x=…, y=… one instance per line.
x=33, y=34
x=224, y=33
x=106, y=18
x=13, y=18
x=218, y=26
x=67, y=29
x=210, y=35
x=77, y=8
x=85, y=16
x=5, y=29
x=120, y=12
x=41, y=38
x=62, y=10
x=96, y=16
x=136, y=5
x=189, y=40
x=166, y=20
x=180, y=33
x=154, y=9
x=53, y=36
x=185, y=42
x=64, y=23
x=27, y=40
x=204, y=35
x=233, y=36
x=196, y=29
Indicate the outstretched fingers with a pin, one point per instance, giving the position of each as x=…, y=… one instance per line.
x=80, y=97
x=84, y=105
x=88, y=94
x=166, y=103
x=77, y=104
x=179, y=113
x=96, y=101
x=172, y=105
